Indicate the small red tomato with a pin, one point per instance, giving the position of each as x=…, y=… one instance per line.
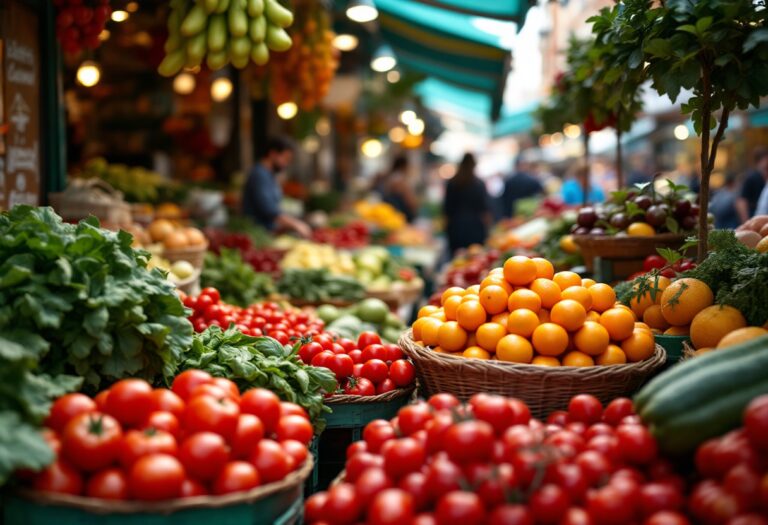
x=296, y=449
x=130, y=401
x=59, y=477
x=386, y=386
x=264, y=404
x=617, y=410
x=191, y=488
x=139, y=443
x=402, y=372
x=209, y=414
x=637, y=444
x=756, y=422
x=110, y=483
x=165, y=400
x=368, y=338
x=156, y=477
x=163, y=421
x=294, y=427
x=375, y=370
x=271, y=460
x=249, y=432
x=236, y=476
x=360, y=386
x=66, y=407
x=585, y=408
x=443, y=401
x=203, y=455
x=91, y=441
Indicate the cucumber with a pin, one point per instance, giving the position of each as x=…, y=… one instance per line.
x=238, y=20
x=194, y=22
x=172, y=63
x=277, y=14
x=260, y=54
x=257, y=29
x=217, y=33
x=277, y=39
x=255, y=8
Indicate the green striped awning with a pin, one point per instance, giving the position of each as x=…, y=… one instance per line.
x=514, y=122
x=512, y=10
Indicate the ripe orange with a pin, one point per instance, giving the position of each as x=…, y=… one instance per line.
x=641, y=229
x=488, y=335
x=653, y=318
x=544, y=316
x=578, y=293
x=416, y=327
x=639, y=346
x=498, y=280
x=522, y=322
x=453, y=290
x=500, y=319
x=450, y=306
x=593, y=316
x=702, y=351
x=619, y=322
x=474, y=289
x=603, y=296
x=577, y=358
x=471, y=315
x=550, y=339
x=592, y=338
x=494, y=298
x=429, y=330
x=497, y=271
x=471, y=339
x=543, y=360
x=683, y=299
x=588, y=283
x=651, y=297
x=677, y=330
x=713, y=323
x=569, y=314
x=548, y=291
x=439, y=315
x=451, y=336
x=544, y=268
x=613, y=355
x=476, y=352
x=470, y=297
x=514, y=348
x=519, y=270
x=741, y=335
x=642, y=326
x=567, y=279
x=427, y=309
x=524, y=298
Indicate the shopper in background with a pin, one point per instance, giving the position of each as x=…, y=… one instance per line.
x=466, y=207
x=262, y=193
x=753, y=185
x=395, y=189
x=723, y=204
x=572, y=190
x=520, y=185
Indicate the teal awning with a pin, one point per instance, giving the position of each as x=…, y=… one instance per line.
x=759, y=118
x=514, y=122
x=512, y=10
x=471, y=107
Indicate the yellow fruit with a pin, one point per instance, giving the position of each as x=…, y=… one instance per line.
x=567, y=279
x=429, y=331
x=544, y=268
x=578, y=293
x=160, y=229
x=568, y=245
x=603, y=296
x=593, y=316
x=548, y=291
x=619, y=322
x=519, y=270
x=588, y=283
x=450, y=306
x=641, y=229
x=651, y=297
x=427, y=310
x=741, y=335
x=471, y=315
x=702, y=351
x=762, y=246
x=613, y=355
x=576, y=358
x=543, y=360
x=524, y=298
x=453, y=290
x=493, y=298
x=683, y=299
x=514, y=348
x=713, y=323
x=569, y=314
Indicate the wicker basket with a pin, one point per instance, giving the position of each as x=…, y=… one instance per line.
x=84, y=197
x=635, y=248
x=544, y=389
x=194, y=255
x=399, y=294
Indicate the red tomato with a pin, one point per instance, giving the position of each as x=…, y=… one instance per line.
x=360, y=386
x=402, y=372
x=209, y=414
x=325, y=340
x=228, y=386
x=373, y=351
x=59, y=477
x=359, y=463
x=212, y=293
x=165, y=400
x=570, y=478
x=356, y=447
x=370, y=483
x=272, y=462
x=236, y=476
x=191, y=488
x=585, y=408
x=163, y=421
x=443, y=401
x=292, y=409
x=608, y=446
x=342, y=366
x=110, y=483
x=510, y=515
x=138, y=443
x=469, y=441
x=412, y=418
x=101, y=400
x=667, y=518
x=494, y=489
x=576, y=516
x=368, y=338
x=294, y=427
x=749, y=519
x=710, y=503
x=743, y=481
x=309, y=350
x=375, y=370
x=130, y=401
x=391, y=507
x=656, y=497
x=549, y=503
x=443, y=475
x=654, y=261
x=637, y=444
x=249, y=432
x=203, y=455
x=598, y=429
x=376, y=433
x=494, y=410
x=187, y=381
x=356, y=355
x=313, y=507
x=460, y=507
x=402, y=456
x=264, y=404
x=385, y=386
x=296, y=450
x=66, y=407
x=324, y=359
x=156, y=477
x=609, y=506
x=416, y=485
x=558, y=417
x=394, y=353
x=357, y=370
x=91, y=441
x=756, y=422
x=594, y=465
x=617, y=410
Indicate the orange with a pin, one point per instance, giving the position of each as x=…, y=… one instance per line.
x=500, y=319
x=497, y=271
x=550, y=339
x=451, y=305
x=569, y=314
x=603, y=296
x=713, y=323
x=567, y=279
x=593, y=316
x=427, y=309
x=577, y=358
x=704, y=350
x=522, y=322
x=498, y=280
x=451, y=337
x=488, y=335
x=641, y=229
x=544, y=268
x=651, y=297
x=471, y=339
x=416, y=327
x=524, y=298
x=429, y=330
x=741, y=335
x=453, y=290
x=578, y=293
x=544, y=316
x=588, y=283
x=474, y=289
x=639, y=346
x=642, y=326
x=592, y=338
x=683, y=299
x=470, y=297
x=543, y=360
x=476, y=352
x=548, y=291
x=677, y=330
x=439, y=315
x=653, y=318
x=514, y=348
x=519, y=270
x=619, y=322
x=568, y=245
x=471, y=315
x=494, y=298
x=613, y=355
x=439, y=350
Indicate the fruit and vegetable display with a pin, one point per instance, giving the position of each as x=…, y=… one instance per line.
x=136, y=183
x=363, y=367
x=640, y=211
x=467, y=267
x=222, y=32
x=378, y=270
x=319, y=286
x=381, y=215
x=178, y=271
x=754, y=232
x=524, y=312
x=489, y=462
x=304, y=255
x=669, y=263
x=79, y=24
x=354, y=234
x=558, y=246
x=262, y=258
x=174, y=236
x=370, y=314
x=237, y=282
x=203, y=436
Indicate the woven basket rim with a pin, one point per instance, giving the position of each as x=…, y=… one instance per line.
x=99, y=506
x=668, y=236
x=188, y=250
x=346, y=399
x=420, y=353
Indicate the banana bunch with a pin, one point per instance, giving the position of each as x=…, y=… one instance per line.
x=224, y=31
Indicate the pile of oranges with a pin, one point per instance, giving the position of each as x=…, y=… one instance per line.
x=524, y=312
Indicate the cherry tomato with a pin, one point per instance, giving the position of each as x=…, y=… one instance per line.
x=138, y=443
x=443, y=476
x=294, y=427
x=249, y=432
x=469, y=441
x=101, y=400
x=756, y=422
x=391, y=507
x=637, y=444
x=130, y=401
x=59, y=477
x=264, y=404
x=313, y=507
x=228, y=386
x=156, y=477
x=654, y=261
x=325, y=359
x=296, y=450
x=376, y=433
x=609, y=506
x=510, y=515
x=342, y=366
x=416, y=485
x=110, y=483
x=212, y=293
x=402, y=456
x=357, y=370
x=585, y=408
x=309, y=351
x=558, y=417
x=360, y=386
x=91, y=441
x=165, y=400
x=386, y=386
x=460, y=507
x=292, y=409
x=494, y=489
x=371, y=482
x=66, y=407
x=743, y=481
x=576, y=516
x=666, y=517
x=203, y=455
x=356, y=447
x=191, y=488
x=402, y=372
x=617, y=410
x=375, y=370
x=163, y=421
x=413, y=418
x=272, y=462
x=206, y=413
x=549, y=503
x=187, y=381
x=394, y=353
x=368, y=338
x=571, y=478
x=659, y=496
x=356, y=355
x=594, y=465
x=236, y=476
x=443, y=401
x=359, y=463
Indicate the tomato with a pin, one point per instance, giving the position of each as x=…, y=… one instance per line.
x=163, y=421
x=743, y=481
x=296, y=450
x=292, y=409
x=294, y=427
x=209, y=414
x=460, y=507
x=101, y=400
x=66, y=407
x=617, y=410
x=356, y=356
x=416, y=485
x=443, y=475
x=469, y=441
x=567, y=443
x=710, y=503
x=594, y=465
x=91, y=441
x=249, y=431
x=309, y=350
x=191, y=488
x=375, y=370
x=325, y=340
x=228, y=386
x=138, y=443
x=313, y=507
x=264, y=404
x=210, y=292
x=236, y=476
x=519, y=437
x=494, y=410
x=637, y=444
x=203, y=455
x=342, y=366
x=348, y=344
x=609, y=506
x=385, y=386
x=391, y=507
x=342, y=505
x=324, y=359
x=368, y=338
x=571, y=478
x=59, y=477
x=272, y=462
x=376, y=433
x=443, y=401
x=156, y=477
x=130, y=401
x=598, y=429
x=371, y=482
x=394, y=353
x=359, y=386
x=356, y=447
x=585, y=408
x=373, y=351
x=337, y=349
x=510, y=515
x=549, y=503
x=110, y=483
x=749, y=519
x=756, y=422
x=654, y=261
x=359, y=463
x=558, y=417
x=402, y=456
x=576, y=516
x=494, y=489
x=656, y=496
x=666, y=517
x=715, y=458
x=203, y=302
x=164, y=400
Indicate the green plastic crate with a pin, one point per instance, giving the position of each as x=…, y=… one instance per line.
x=673, y=344
x=356, y=415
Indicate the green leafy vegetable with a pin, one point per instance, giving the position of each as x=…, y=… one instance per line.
x=319, y=285
x=237, y=282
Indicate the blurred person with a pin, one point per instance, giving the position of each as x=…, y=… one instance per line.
x=466, y=207
x=639, y=171
x=723, y=204
x=572, y=190
x=520, y=185
x=753, y=184
x=396, y=190
x=262, y=193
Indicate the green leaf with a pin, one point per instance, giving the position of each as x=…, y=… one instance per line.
x=672, y=225
x=21, y=446
x=703, y=24
x=670, y=255
x=688, y=28
x=755, y=38
x=658, y=47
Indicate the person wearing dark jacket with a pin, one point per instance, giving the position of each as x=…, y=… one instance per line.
x=520, y=185
x=466, y=207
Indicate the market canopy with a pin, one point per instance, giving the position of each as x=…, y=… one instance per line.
x=514, y=122
x=512, y=10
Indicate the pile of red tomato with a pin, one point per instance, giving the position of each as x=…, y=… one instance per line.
x=200, y=437
x=657, y=262
x=79, y=23
x=367, y=367
x=352, y=235
x=266, y=318
x=488, y=462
